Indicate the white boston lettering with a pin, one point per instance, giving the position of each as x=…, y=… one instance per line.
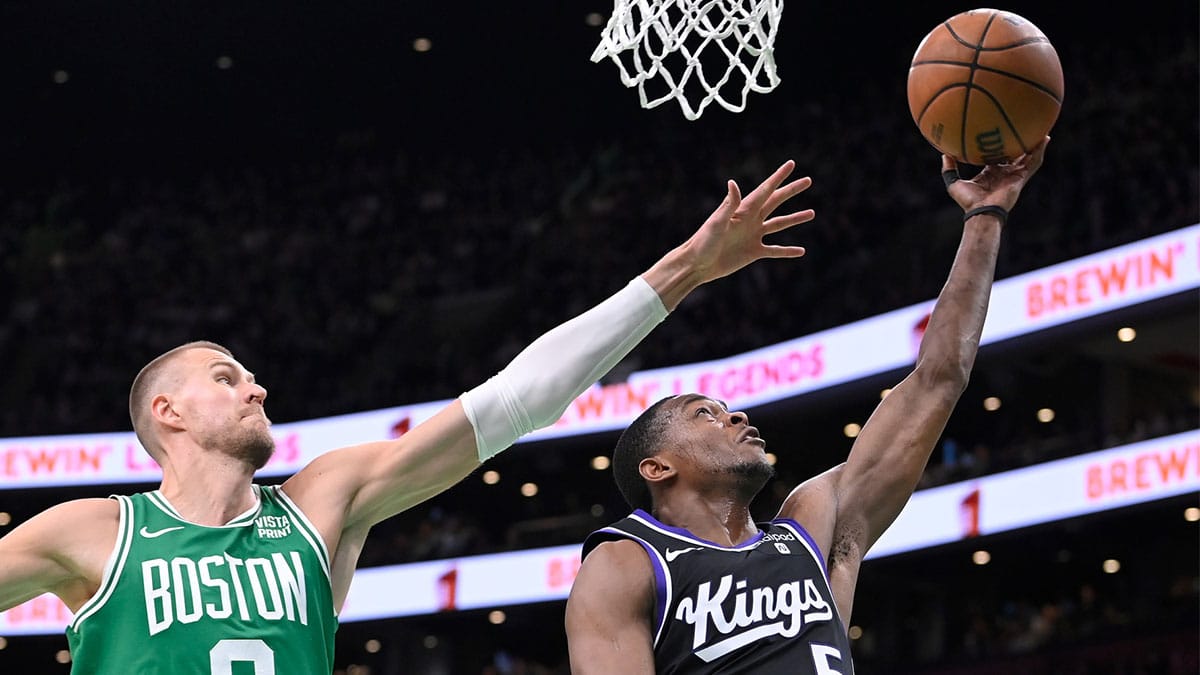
x=156, y=588
x=261, y=575
x=220, y=609
x=186, y=590
x=186, y=586
x=756, y=613
x=291, y=581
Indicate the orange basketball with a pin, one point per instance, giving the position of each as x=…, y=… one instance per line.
x=985, y=86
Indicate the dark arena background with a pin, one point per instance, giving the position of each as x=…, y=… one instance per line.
x=377, y=204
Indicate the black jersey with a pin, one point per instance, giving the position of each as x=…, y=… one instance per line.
x=761, y=607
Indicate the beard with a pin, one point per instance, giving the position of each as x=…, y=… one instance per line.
x=251, y=445
x=255, y=449
x=751, y=476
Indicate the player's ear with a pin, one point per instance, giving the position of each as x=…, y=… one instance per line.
x=163, y=411
x=657, y=468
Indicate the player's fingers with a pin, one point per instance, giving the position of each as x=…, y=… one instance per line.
x=764, y=190
x=733, y=198
x=783, y=251
x=729, y=205
x=780, y=223
x=949, y=170
x=1035, y=157
x=785, y=193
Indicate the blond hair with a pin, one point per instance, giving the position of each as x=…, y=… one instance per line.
x=149, y=383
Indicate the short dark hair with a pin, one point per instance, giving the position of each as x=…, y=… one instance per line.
x=640, y=440
x=146, y=386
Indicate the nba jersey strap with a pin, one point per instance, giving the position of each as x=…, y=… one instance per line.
x=114, y=566
x=662, y=575
x=806, y=539
x=303, y=525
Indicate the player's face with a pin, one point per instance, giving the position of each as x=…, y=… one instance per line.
x=718, y=442
x=223, y=407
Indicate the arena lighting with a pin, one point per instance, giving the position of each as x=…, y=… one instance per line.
x=5, y=518
x=1191, y=514
x=981, y=557
x=597, y=510
x=529, y=489
x=63, y=656
x=1045, y=415
x=855, y=632
x=1111, y=566
x=497, y=617
x=61, y=76
x=991, y=404
x=491, y=477
x=600, y=462
x=224, y=62
x=373, y=646
x=771, y=458
x=884, y=393
x=430, y=641
x=1126, y=334
x=3, y=642
x=422, y=45
x=594, y=19
x=851, y=430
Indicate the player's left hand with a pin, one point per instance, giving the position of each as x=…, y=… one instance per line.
x=732, y=237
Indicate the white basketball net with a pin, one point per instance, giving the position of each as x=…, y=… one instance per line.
x=660, y=43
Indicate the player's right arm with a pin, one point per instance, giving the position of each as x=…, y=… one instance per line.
x=62, y=550
x=609, y=612
x=849, y=507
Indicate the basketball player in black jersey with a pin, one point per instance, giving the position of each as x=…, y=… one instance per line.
x=688, y=583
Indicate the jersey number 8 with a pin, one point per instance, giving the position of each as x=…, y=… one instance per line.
x=226, y=652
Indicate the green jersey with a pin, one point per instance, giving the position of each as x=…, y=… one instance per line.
x=249, y=597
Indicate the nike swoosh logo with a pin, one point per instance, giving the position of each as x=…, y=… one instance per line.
x=672, y=555
x=157, y=533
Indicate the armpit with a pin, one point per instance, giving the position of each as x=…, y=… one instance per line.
x=847, y=544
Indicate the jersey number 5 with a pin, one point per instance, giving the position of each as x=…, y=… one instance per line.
x=821, y=655
x=223, y=655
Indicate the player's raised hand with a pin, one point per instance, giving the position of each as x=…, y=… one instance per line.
x=732, y=237
x=997, y=184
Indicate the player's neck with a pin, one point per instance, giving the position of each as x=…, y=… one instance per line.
x=208, y=489
x=721, y=521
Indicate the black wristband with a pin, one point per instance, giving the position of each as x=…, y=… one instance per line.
x=949, y=176
x=998, y=211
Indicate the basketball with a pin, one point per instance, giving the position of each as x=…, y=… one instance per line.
x=985, y=86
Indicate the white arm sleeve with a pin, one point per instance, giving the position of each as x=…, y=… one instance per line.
x=537, y=386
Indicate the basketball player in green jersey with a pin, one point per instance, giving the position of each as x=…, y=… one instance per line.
x=211, y=573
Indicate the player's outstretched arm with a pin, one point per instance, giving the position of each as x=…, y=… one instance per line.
x=351, y=489
x=378, y=480
x=609, y=612
x=62, y=550
x=890, y=453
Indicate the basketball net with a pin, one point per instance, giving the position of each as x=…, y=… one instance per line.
x=658, y=44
